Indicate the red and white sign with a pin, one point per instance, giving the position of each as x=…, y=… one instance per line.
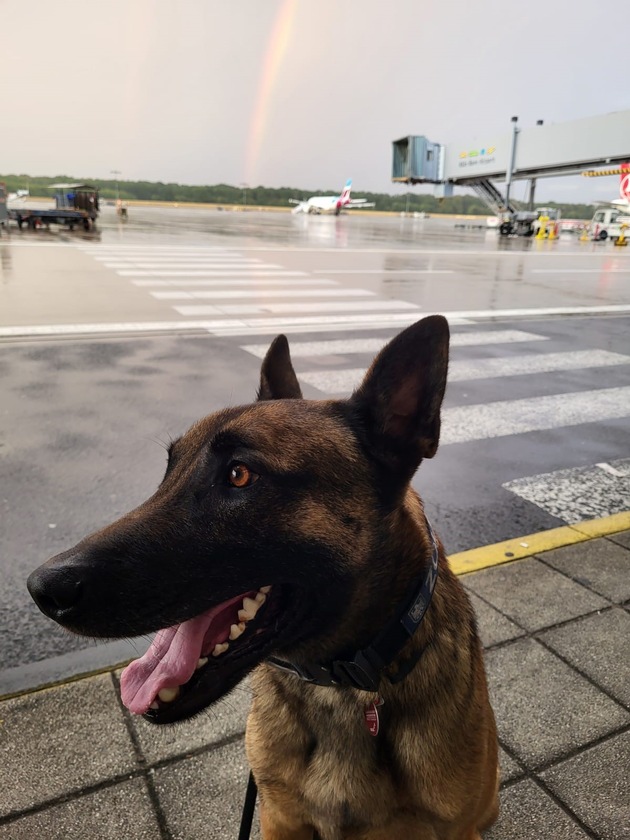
x=624, y=184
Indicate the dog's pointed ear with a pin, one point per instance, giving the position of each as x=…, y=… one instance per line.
x=277, y=377
x=398, y=403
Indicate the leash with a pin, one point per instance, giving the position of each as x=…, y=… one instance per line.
x=364, y=670
x=248, y=809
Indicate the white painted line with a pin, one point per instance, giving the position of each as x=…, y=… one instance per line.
x=514, y=417
x=601, y=254
x=206, y=264
x=259, y=294
x=614, y=471
x=307, y=323
x=385, y=271
x=158, y=249
x=243, y=272
x=38, y=244
x=304, y=349
x=463, y=371
x=322, y=325
x=228, y=326
x=140, y=259
x=251, y=283
x=341, y=381
x=285, y=308
x=602, y=270
x=580, y=493
x=483, y=314
x=471, y=339
x=333, y=381
x=104, y=328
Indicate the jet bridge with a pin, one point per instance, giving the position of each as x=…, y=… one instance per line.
x=541, y=151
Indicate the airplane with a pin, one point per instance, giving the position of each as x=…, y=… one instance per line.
x=330, y=203
x=19, y=194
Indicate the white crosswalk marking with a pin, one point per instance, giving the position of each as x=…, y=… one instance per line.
x=263, y=271
x=216, y=260
x=234, y=282
x=230, y=274
x=579, y=493
x=285, y=308
x=341, y=381
x=245, y=268
x=257, y=294
x=513, y=417
x=236, y=292
x=346, y=346
x=571, y=495
x=180, y=259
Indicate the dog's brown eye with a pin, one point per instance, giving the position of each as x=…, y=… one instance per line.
x=241, y=476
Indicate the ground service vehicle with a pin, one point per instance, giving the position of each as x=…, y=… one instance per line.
x=75, y=204
x=606, y=223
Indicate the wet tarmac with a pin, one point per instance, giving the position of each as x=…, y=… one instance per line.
x=85, y=413
x=54, y=278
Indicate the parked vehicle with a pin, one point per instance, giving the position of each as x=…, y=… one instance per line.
x=75, y=204
x=607, y=222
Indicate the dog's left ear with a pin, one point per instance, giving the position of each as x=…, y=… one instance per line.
x=398, y=403
x=277, y=377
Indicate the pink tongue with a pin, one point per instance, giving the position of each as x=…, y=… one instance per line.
x=172, y=657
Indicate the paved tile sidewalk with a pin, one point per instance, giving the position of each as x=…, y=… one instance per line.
x=556, y=627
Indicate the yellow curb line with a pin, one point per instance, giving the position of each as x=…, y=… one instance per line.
x=517, y=549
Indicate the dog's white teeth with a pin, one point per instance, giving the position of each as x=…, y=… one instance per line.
x=167, y=695
x=203, y=661
x=219, y=649
x=155, y=705
x=265, y=590
x=237, y=630
x=260, y=598
x=250, y=608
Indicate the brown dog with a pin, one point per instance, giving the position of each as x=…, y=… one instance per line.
x=285, y=538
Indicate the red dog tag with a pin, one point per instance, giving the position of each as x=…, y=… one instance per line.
x=370, y=714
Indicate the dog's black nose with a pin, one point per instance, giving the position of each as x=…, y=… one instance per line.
x=54, y=590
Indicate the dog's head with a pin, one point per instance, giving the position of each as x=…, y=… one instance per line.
x=268, y=524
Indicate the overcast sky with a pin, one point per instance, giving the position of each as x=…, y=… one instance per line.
x=302, y=93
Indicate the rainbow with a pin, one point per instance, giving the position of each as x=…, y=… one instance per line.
x=276, y=49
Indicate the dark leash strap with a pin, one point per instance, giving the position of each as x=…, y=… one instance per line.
x=248, y=809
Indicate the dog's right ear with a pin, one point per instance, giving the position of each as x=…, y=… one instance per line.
x=277, y=377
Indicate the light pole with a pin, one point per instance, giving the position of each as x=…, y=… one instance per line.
x=244, y=187
x=510, y=168
x=116, y=172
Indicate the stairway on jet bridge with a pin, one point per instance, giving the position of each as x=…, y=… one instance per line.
x=486, y=190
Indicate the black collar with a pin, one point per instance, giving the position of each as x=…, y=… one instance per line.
x=364, y=670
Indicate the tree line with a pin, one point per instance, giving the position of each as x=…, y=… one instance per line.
x=226, y=194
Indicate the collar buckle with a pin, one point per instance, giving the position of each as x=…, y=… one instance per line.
x=360, y=672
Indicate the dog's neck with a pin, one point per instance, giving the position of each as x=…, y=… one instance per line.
x=370, y=641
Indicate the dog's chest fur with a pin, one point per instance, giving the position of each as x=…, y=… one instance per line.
x=317, y=749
